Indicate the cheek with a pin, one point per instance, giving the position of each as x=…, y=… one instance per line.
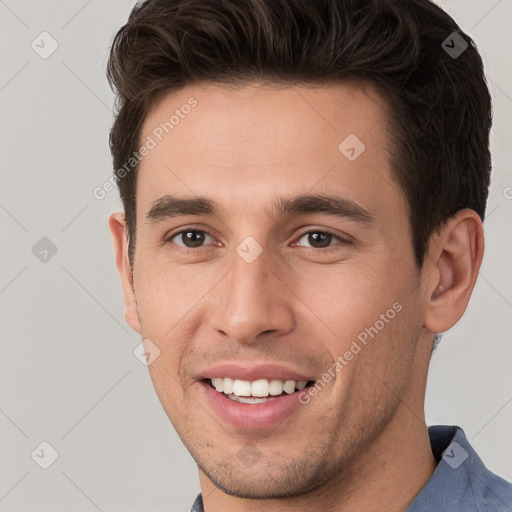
x=386, y=348
x=371, y=313
x=351, y=295
x=166, y=295
x=169, y=390
x=375, y=363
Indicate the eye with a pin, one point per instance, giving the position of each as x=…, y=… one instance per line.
x=321, y=240
x=190, y=238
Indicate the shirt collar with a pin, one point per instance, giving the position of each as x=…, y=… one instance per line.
x=461, y=481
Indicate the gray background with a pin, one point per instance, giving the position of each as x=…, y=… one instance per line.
x=68, y=372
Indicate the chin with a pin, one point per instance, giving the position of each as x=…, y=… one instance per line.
x=245, y=478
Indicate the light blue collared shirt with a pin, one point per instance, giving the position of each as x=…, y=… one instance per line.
x=460, y=483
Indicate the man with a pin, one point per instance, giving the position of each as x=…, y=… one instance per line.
x=304, y=185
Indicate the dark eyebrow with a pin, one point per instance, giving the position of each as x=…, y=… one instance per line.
x=170, y=206
x=320, y=203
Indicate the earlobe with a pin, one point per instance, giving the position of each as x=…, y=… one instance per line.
x=119, y=234
x=455, y=256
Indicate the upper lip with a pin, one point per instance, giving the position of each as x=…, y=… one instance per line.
x=252, y=372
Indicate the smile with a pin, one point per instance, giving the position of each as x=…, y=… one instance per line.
x=257, y=391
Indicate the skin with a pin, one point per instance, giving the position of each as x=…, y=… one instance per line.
x=361, y=443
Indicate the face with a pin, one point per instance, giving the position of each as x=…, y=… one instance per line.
x=252, y=283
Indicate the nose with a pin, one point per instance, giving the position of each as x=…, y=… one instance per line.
x=253, y=300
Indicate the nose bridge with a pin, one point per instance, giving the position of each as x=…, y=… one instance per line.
x=253, y=298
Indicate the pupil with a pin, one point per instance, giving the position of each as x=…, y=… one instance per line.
x=194, y=237
x=316, y=236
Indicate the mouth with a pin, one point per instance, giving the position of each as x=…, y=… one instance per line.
x=256, y=395
x=255, y=392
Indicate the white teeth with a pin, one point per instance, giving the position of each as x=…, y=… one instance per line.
x=242, y=388
x=276, y=387
x=227, y=385
x=217, y=384
x=260, y=388
x=289, y=387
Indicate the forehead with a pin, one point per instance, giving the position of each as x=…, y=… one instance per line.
x=247, y=143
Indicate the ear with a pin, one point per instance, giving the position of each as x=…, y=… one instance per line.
x=451, y=270
x=119, y=234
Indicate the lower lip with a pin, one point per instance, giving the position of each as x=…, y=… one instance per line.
x=250, y=416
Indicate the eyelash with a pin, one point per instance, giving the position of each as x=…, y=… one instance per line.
x=188, y=250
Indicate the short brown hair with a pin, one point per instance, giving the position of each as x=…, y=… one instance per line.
x=439, y=103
